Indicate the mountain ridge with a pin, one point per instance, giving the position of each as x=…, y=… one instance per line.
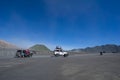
x=108, y=48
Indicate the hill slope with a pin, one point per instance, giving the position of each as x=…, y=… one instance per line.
x=7, y=45
x=39, y=47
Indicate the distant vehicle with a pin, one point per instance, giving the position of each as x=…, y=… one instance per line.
x=24, y=53
x=59, y=52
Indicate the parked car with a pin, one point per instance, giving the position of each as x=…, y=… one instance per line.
x=59, y=52
x=24, y=53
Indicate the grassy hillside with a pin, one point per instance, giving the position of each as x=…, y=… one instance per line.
x=39, y=47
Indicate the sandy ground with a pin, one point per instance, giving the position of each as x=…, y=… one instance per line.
x=75, y=67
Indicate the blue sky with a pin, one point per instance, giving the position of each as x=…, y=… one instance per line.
x=66, y=23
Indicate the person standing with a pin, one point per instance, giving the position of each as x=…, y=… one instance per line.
x=101, y=53
x=27, y=53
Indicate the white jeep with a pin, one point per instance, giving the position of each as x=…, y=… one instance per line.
x=59, y=52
